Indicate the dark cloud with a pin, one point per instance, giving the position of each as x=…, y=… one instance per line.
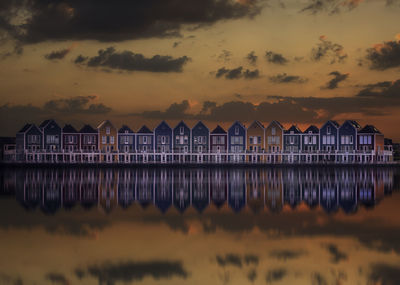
x=285, y=78
x=382, y=273
x=252, y=275
x=117, y=20
x=57, y=54
x=225, y=56
x=229, y=259
x=175, y=111
x=76, y=105
x=129, y=61
x=7, y=279
x=129, y=271
x=337, y=77
x=237, y=73
x=57, y=278
x=336, y=254
x=175, y=44
x=318, y=279
x=276, y=58
x=274, y=275
x=384, y=56
x=286, y=254
x=251, y=259
x=327, y=49
x=330, y=6
x=252, y=58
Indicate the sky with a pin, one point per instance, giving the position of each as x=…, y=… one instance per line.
x=139, y=62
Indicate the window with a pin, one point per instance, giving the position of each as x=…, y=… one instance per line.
x=126, y=131
x=259, y=140
x=181, y=130
x=305, y=139
x=328, y=130
x=251, y=140
x=236, y=130
x=369, y=140
x=112, y=140
x=273, y=131
x=52, y=139
x=144, y=139
x=324, y=140
x=33, y=139
x=108, y=139
x=163, y=139
x=291, y=140
x=108, y=130
x=103, y=139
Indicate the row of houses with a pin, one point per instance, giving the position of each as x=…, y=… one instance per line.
x=255, y=143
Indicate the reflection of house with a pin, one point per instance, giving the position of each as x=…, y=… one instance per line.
x=255, y=188
x=218, y=187
x=51, y=197
x=89, y=187
x=329, y=193
x=145, y=187
x=310, y=188
x=163, y=189
x=347, y=191
x=181, y=190
x=236, y=190
x=274, y=190
x=291, y=188
x=108, y=189
x=126, y=187
x=200, y=189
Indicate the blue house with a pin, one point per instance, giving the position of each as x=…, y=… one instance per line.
x=52, y=136
x=126, y=140
x=310, y=139
x=29, y=138
x=163, y=138
x=348, y=136
x=237, y=138
x=328, y=136
x=200, y=138
x=292, y=139
x=181, y=138
x=144, y=140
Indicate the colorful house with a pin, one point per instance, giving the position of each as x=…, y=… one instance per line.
x=328, y=136
x=89, y=139
x=200, y=138
x=145, y=140
x=348, y=136
x=218, y=140
x=370, y=139
x=108, y=141
x=163, y=138
x=29, y=138
x=181, y=138
x=274, y=137
x=126, y=140
x=310, y=139
x=255, y=139
x=292, y=139
x=237, y=138
x=52, y=135
x=71, y=139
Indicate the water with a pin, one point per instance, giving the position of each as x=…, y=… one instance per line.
x=217, y=225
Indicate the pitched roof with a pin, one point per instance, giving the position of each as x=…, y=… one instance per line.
x=369, y=129
x=218, y=130
x=257, y=123
x=313, y=129
x=165, y=124
x=145, y=130
x=25, y=128
x=103, y=123
x=44, y=123
x=181, y=123
x=69, y=129
x=335, y=123
x=293, y=129
x=125, y=128
x=354, y=124
x=239, y=123
x=88, y=129
x=200, y=123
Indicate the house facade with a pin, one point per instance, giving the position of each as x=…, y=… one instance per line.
x=145, y=140
x=181, y=138
x=274, y=137
x=370, y=139
x=200, y=138
x=163, y=138
x=29, y=138
x=292, y=139
x=310, y=139
x=89, y=139
x=328, y=137
x=348, y=136
x=126, y=140
x=237, y=138
x=52, y=136
x=108, y=141
x=255, y=139
x=218, y=140
x=70, y=139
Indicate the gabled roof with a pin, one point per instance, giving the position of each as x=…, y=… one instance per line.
x=103, y=123
x=256, y=123
x=334, y=123
x=88, y=129
x=200, y=123
x=369, y=129
x=293, y=129
x=145, y=130
x=313, y=129
x=353, y=123
x=125, y=128
x=44, y=123
x=25, y=128
x=181, y=123
x=165, y=124
x=218, y=130
x=239, y=123
x=69, y=129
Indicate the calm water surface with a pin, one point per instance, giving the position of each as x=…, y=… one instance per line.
x=282, y=225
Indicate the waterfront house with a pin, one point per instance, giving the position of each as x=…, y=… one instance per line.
x=71, y=139
x=328, y=136
x=348, y=136
x=108, y=141
x=89, y=139
x=274, y=137
x=218, y=140
x=292, y=139
x=370, y=139
x=145, y=140
x=237, y=138
x=163, y=138
x=181, y=138
x=255, y=139
x=200, y=138
x=310, y=139
x=52, y=134
x=29, y=138
x=126, y=140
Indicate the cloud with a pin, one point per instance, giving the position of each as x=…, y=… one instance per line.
x=129, y=271
x=337, y=78
x=286, y=254
x=275, y=58
x=285, y=78
x=10, y=280
x=115, y=21
x=129, y=61
x=330, y=6
x=384, y=56
x=252, y=58
x=57, y=278
x=252, y=275
x=336, y=254
x=229, y=259
x=274, y=275
x=318, y=279
x=175, y=111
x=327, y=49
x=57, y=54
x=76, y=105
x=237, y=73
x=175, y=44
x=225, y=56
x=251, y=259
x=382, y=273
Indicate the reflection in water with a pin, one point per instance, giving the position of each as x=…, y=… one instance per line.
x=255, y=188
